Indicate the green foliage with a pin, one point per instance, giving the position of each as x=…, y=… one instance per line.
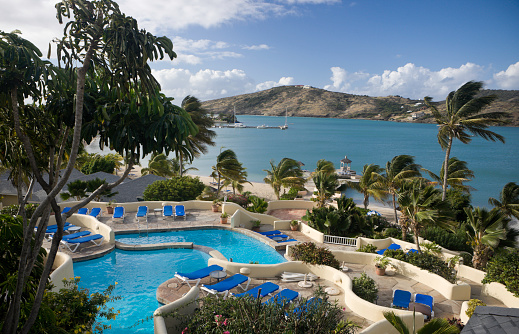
x=257, y=204
x=238, y=199
x=472, y=306
x=176, y=189
x=435, y=326
x=250, y=315
x=308, y=252
x=369, y=248
x=433, y=264
x=291, y=195
x=99, y=164
x=456, y=241
x=11, y=240
x=458, y=200
x=397, y=254
x=92, y=185
x=11, y=210
x=503, y=268
x=77, y=311
x=365, y=287
x=76, y=189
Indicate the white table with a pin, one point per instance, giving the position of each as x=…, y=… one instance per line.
x=156, y=210
x=73, y=229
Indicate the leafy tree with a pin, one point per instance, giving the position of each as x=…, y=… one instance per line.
x=159, y=165
x=485, y=230
x=368, y=184
x=503, y=268
x=463, y=119
x=176, y=189
x=399, y=170
x=97, y=183
x=421, y=206
x=325, y=166
x=508, y=202
x=326, y=185
x=287, y=173
x=457, y=173
x=76, y=189
x=435, y=326
x=228, y=168
x=99, y=164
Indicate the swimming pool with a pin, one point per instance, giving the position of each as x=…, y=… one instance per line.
x=237, y=246
x=139, y=273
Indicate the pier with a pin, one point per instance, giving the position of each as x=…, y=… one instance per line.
x=231, y=126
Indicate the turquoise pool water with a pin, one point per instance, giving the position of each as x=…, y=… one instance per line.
x=139, y=273
x=237, y=246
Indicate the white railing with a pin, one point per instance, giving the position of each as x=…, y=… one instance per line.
x=332, y=239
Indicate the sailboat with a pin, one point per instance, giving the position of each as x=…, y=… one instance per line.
x=284, y=127
x=237, y=125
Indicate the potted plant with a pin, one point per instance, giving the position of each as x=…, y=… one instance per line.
x=256, y=225
x=294, y=224
x=381, y=263
x=109, y=207
x=217, y=203
x=223, y=218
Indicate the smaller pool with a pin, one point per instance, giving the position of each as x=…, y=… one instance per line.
x=239, y=247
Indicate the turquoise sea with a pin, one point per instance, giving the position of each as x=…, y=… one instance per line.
x=364, y=142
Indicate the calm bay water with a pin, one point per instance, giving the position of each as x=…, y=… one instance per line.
x=364, y=142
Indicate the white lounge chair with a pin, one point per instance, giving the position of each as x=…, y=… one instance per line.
x=296, y=277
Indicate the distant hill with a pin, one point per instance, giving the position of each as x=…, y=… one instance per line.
x=305, y=101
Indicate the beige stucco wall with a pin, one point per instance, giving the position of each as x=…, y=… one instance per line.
x=62, y=268
x=312, y=233
x=94, y=225
x=276, y=205
x=165, y=324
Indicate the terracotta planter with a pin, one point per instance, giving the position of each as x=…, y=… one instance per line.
x=215, y=208
x=256, y=229
x=294, y=227
x=110, y=210
x=380, y=271
x=223, y=220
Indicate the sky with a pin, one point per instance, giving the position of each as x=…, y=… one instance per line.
x=411, y=48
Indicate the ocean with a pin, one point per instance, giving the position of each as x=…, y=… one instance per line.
x=363, y=142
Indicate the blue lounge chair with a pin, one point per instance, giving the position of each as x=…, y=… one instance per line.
x=284, y=236
x=412, y=250
x=267, y=288
x=401, y=298
x=392, y=246
x=95, y=212
x=167, y=211
x=196, y=276
x=75, y=235
x=180, y=211
x=311, y=304
x=426, y=300
x=118, y=213
x=270, y=233
x=224, y=286
x=82, y=211
x=73, y=244
x=288, y=240
x=283, y=297
x=66, y=209
x=142, y=212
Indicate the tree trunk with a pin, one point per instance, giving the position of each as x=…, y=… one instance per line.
x=394, y=208
x=416, y=237
x=446, y=167
x=366, y=201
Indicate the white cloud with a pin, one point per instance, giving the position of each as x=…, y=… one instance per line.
x=508, y=79
x=205, y=84
x=313, y=2
x=256, y=47
x=284, y=81
x=408, y=81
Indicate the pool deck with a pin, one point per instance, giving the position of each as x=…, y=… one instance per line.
x=170, y=290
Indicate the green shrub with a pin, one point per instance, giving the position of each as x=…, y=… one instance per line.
x=369, y=248
x=396, y=254
x=292, y=194
x=99, y=164
x=11, y=210
x=365, y=287
x=238, y=199
x=250, y=315
x=393, y=232
x=433, y=264
x=308, y=252
x=472, y=306
x=457, y=241
x=503, y=268
x=176, y=189
x=257, y=204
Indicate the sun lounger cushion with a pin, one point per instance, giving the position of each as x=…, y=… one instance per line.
x=167, y=211
x=227, y=284
x=75, y=235
x=197, y=275
x=180, y=211
x=277, y=236
x=267, y=233
x=142, y=211
x=412, y=250
x=66, y=209
x=266, y=289
x=95, y=212
x=118, y=212
x=288, y=240
x=82, y=211
x=392, y=246
x=401, y=298
x=426, y=300
x=73, y=244
x=284, y=296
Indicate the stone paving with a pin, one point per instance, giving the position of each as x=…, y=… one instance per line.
x=170, y=290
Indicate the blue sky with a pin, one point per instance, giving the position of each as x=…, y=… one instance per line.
x=378, y=48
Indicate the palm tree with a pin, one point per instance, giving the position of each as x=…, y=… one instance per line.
x=159, y=165
x=485, y=230
x=463, y=116
x=287, y=173
x=368, y=185
x=508, y=202
x=435, y=326
x=457, y=173
x=421, y=205
x=325, y=166
x=76, y=189
x=229, y=168
x=326, y=184
x=398, y=171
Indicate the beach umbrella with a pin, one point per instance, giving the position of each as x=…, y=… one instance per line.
x=373, y=213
